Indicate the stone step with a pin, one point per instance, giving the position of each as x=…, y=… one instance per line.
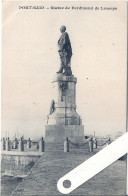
x=60, y=146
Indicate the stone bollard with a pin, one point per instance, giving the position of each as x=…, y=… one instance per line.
x=41, y=145
x=21, y=145
x=66, y=145
x=95, y=144
x=37, y=145
x=29, y=143
x=91, y=145
x=109, y=141
x=3, y=144
x=8, y=147
x=16, y=143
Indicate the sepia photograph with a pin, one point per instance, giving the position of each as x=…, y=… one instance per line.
x=64, y=88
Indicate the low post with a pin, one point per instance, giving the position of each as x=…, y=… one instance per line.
x=29, y=143
x=41, y=145
x=37, y=145
x=66, y=145
x=95, y=144
x=109, y=141
x=91, y=145
x=3, y=144
x=8, y=144
x=16, y=143
x=21, y=145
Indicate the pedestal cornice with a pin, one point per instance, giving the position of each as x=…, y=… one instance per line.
x=62, y=77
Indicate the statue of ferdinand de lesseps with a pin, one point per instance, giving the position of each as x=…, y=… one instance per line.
x=65, y=52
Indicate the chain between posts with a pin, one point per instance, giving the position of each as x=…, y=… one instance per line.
x=12, y=142
x=75, y=144
x=78, y=145
x=103, y=143
x=33, y=143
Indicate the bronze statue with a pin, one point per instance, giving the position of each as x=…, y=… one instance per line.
x=65, y=52
x=52, y=107
x=62, y=87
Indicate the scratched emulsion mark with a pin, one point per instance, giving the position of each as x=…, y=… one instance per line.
x=91, y=167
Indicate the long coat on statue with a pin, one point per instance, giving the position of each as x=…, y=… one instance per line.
x=65, y=52
x=64, y=44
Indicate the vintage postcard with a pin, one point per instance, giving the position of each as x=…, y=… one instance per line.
x=64, y=87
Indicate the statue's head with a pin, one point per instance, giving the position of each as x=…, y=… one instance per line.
x=62, y=29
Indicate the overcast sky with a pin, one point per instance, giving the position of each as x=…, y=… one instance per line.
x=30, y=61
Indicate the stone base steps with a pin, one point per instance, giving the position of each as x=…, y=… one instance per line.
x=60, y=146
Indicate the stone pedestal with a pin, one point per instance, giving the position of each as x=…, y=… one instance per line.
x=63, y=120
x=58, y=133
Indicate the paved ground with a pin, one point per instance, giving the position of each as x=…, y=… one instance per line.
x=8, y=184
x=43, y=177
